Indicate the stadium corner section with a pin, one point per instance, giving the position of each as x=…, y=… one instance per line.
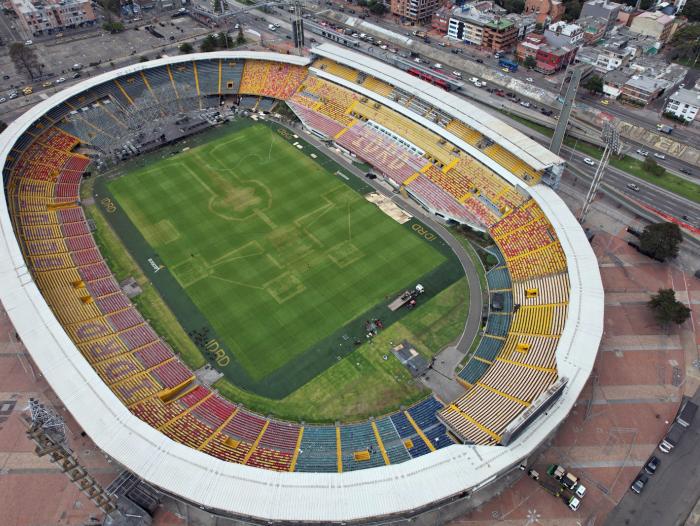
x=323, y=353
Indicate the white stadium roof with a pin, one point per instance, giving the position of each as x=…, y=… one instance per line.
x=241, y=490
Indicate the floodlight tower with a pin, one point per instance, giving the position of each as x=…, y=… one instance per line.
x=611, y=138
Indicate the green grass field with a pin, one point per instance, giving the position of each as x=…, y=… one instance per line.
x=275, y=252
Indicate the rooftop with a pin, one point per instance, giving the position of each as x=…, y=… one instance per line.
x=658, y=16
x=611, y=6
x=646, y=83
x=687, y=96
x=564, y=28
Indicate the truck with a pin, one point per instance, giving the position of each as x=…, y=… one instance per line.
x=552, y=486
x=407, y=297
x=686, y=413
x=672, y=438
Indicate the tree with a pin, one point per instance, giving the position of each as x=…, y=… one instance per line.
x=667, y=309
x=692, y=10
x=685, y=44
x=113, y=27
x=651, y=167
x=376, y=7
x=530, y=62
x=143, y=58
x=573, y=9
x=208, y=44
x=2, y=126
x=25, y=60
x=223, y=41
x=512, y=6
x=661, y=240
x=240, y=39
x=217, y=6
x=594, y=84
x=111, y=5
x=186, y=48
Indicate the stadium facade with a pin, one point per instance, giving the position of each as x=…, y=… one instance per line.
x=332, y=92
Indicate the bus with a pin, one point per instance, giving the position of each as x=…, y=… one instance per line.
x=509, y=64
x=433, y=79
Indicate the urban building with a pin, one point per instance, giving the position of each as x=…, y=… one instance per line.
x=626, y=15
x=594, y=29
x=525, y=24
x=608, y=11
x=529, y=46
x=441, y=19
x=684, y=104
x=546, y=11
x=642, y=89
x=654, y=24
x=49, y=17
x=551, y=59
x=414, y=10
x=562, y=34
x=484, y=25
x=613, y=82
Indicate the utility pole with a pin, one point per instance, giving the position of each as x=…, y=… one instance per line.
x=611, y=138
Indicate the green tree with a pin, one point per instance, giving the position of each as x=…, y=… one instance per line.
x=512, y=6
x=3, y=125
x=651, y=167
x=685, y=44
x=217, y=6
x=594, y=84
x=111, y=5
x=376, y=7
x=240, y=39
x=661, y=240
x=573, y=9
x=692, y=10
x=208, y=44
x=223, y=41
x=25, y=60
x=113, y=27
x=530, y=62
x=186, y=48
x=667, y=309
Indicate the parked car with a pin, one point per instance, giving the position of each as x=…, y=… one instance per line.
x=529, y=79
x=638, y=484
x=60, y=80
x=643, y=153
x=651, y=466
x=633, y=186
x=580, y=491
x=47, y=84
x=589, y=161
x=605, y=102
x=686, y=171
x=479, y=61
x=28, y=42
x=525, y=104
x=2, y=99
x=505, y=69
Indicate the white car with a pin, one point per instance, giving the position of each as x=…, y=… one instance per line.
x=633, y=186
x=457, y=74
x=525, y=104
x=13, y=95
x=580, y=491
x=437, y=65
x=643, y=153
x=529, y=79
x=589, y=161
x=659, y=155
x=478, y=84
x=59, y=81
x=2, y=99
x=417, y=60
x=574, y=503
x=384, y=46
x=28, y=42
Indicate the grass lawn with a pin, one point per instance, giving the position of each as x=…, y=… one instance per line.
x=274, y=250
x=364, y=384
x=667, y=181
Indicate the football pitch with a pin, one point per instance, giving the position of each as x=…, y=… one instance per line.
x=269, y=258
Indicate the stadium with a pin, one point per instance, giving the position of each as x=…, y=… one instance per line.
x=194, y=219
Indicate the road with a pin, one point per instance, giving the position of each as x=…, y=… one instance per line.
x=671, y=492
